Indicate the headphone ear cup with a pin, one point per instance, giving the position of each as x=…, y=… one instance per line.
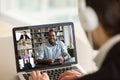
x=88, y=17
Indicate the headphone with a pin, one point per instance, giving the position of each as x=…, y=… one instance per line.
x=87, y=16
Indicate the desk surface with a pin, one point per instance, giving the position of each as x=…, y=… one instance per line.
x=7, y=57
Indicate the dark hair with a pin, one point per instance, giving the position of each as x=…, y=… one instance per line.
x=108, y=12
x=24, y=31
x=51, y=30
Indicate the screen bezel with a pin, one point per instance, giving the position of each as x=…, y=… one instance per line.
x=43, y=26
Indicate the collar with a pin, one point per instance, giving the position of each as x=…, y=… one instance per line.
x=104, y=50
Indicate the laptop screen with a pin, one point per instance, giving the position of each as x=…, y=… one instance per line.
x=44, y=46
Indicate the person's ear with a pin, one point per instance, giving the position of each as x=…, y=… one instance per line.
x=88, y=16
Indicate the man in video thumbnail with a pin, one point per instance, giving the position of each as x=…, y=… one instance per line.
x=24, y=36
x=53, y=51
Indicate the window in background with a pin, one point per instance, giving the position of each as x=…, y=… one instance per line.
x=64, y=3
x=41, y=11
x=29, y=5
x=39, y=5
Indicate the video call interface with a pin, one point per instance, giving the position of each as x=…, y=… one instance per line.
x=29, y=41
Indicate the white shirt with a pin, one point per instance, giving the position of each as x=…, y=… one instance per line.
x=104, y=50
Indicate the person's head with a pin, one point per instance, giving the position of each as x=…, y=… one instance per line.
x=51, y=36
x=24, y=32
x=27, y=61
x=26, y=52
x=106, y=22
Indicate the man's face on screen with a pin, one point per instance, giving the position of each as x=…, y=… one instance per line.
x=24, y=32
x=52, y=38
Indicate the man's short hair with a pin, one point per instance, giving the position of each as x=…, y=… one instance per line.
x=51, y=30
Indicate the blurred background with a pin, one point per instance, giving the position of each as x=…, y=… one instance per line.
x=26, y=12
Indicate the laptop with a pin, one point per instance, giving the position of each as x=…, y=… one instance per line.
x=27, y=48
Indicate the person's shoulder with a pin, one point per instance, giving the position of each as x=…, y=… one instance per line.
x=115, y=48
x=60, y=43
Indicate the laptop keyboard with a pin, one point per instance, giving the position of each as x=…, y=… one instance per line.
x=54, y=73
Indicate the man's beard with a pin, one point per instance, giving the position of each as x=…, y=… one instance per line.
x=52, y=43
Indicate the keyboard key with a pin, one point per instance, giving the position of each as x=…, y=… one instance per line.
x=25, y=76
x=53, y=73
